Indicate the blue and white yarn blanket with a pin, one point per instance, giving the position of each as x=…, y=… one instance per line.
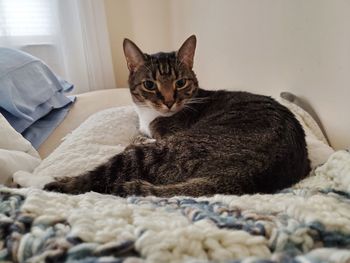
x=307, y=223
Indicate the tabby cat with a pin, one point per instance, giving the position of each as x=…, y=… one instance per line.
x=201, y=142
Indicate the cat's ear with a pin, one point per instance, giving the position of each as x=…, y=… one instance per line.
x=186, y=51
x=134, y=56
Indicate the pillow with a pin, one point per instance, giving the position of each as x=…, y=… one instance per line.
x=317, y=144
x=16, y=153
x=40, y=130
x=100, y=137
x=28, y=89
x=108, y=132
x=12, y=161
x=307, y=107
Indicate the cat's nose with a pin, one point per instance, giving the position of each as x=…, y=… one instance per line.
x=169, y=104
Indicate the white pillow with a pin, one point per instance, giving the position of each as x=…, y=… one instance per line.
x=100, y=137
x=108, y=132
x=16, y=153
x=318, y=149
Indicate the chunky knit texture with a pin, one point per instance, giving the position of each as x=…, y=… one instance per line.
x=307, y=223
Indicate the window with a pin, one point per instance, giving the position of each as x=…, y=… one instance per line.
x=25, y=18
x=65, y=34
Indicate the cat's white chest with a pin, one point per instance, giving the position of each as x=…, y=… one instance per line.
x=146, y=116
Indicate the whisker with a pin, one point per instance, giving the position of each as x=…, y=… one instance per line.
x=141, y=105
x=195, y=102
x=186, y=107
x=199, y=99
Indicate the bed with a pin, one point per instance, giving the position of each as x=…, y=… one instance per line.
x=309, y=222
x=306, y=223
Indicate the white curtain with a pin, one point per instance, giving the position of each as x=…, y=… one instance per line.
x=69, y=35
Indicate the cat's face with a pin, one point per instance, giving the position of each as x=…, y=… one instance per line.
x=162, y=81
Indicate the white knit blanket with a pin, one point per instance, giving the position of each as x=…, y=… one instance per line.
x=308, y=224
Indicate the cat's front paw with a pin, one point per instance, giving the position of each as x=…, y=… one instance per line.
x=141, y=139
x=65, y=185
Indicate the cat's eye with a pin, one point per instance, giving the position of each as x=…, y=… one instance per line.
x=180, y=83
x=149, y=85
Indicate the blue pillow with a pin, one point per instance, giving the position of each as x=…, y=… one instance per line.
x=40, y=130
x=28, y=88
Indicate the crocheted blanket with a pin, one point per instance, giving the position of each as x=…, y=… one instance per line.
x=307, y=223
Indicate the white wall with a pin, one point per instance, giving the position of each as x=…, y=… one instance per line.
x=147, y=23
x=262, y=46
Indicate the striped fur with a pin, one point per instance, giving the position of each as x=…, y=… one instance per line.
x=207, y=142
